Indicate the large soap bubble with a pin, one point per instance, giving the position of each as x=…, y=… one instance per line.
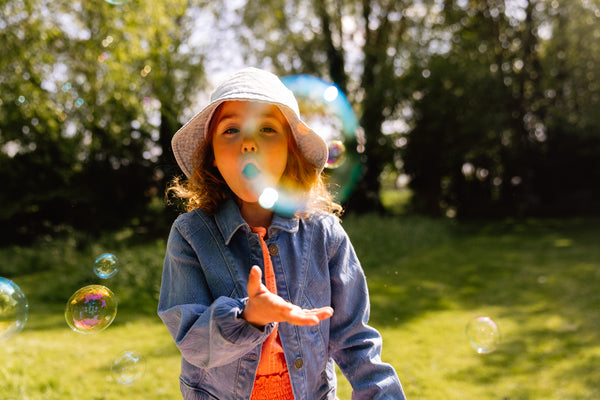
x=325, y=108
x=13, y=309
x=91, y=309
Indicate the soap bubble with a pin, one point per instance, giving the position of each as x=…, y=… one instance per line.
x=91, y=309
x=13, y=309
x=483, y=334
x=336, y=154
x=128, y=367
x=106, y=265
x=117, y=2
x=325, y=108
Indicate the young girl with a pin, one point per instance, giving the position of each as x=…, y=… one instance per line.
x=241, y=337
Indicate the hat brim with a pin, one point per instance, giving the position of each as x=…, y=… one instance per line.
x=187, y=139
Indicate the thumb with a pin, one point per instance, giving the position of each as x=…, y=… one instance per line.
x=254, y=281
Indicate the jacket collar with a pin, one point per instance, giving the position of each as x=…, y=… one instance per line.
x=229, y=220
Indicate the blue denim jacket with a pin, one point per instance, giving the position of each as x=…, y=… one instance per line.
x=203, y=293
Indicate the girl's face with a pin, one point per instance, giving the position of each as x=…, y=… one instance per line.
x=250, y=145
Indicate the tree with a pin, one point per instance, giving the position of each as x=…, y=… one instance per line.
x=499, y=88
x=569, y=171
x=360, y=46
x=82, y=133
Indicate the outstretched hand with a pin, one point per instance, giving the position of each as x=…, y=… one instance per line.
x=264, y=307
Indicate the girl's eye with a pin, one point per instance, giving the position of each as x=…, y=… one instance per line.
x=231, y=131
x=268, y=129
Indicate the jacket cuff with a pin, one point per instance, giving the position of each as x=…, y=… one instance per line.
x=232, y=327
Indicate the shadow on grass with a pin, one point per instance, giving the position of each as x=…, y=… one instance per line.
x=542, y=275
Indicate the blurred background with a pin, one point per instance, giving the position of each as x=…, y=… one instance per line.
x=471, y=180
x=470, y=109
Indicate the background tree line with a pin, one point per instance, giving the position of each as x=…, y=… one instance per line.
x=487, y=107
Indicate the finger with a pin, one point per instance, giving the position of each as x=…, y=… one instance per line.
x=321, y=313
x=298, y=316
x=254, y=281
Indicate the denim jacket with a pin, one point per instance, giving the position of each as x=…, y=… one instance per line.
x=203, y=293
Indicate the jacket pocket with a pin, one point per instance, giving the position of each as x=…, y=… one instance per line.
x=190, y=392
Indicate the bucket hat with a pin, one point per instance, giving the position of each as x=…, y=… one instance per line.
x=249, y=84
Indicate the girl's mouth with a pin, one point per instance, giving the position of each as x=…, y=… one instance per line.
x=250, y=171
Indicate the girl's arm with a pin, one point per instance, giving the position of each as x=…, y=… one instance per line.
x=208, y=332
x=356, y=346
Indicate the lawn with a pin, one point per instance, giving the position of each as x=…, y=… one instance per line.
x=538, y=280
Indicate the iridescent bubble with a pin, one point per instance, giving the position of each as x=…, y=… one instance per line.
x=102, y=57
x=325, y=108
x=117, y=2
x=13, y=309
x=336, y=154
x=106, y=265
x=128, y=367
x=91, y=309
x=483, y=334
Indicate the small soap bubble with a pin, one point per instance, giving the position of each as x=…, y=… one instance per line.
x=106, y=265
x=91, y=309
x=145, y=71
x=336, y=154
x=102, y=57
x=483, y=334
x=107, y=41
x=13, y=309
x=128, y=367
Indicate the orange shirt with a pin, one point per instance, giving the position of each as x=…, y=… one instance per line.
x=272, y=380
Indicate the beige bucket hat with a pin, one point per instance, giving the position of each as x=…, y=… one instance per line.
x=249, y=84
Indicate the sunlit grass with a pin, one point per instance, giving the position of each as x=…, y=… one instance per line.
x=537, y=279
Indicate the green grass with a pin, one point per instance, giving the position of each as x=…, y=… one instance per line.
x=538, y=279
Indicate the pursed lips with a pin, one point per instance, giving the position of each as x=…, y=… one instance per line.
x=250, y=171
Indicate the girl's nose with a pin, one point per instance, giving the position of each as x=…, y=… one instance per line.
x=249, y=145
x=249, y=137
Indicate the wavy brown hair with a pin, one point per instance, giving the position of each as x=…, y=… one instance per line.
x=206, y=189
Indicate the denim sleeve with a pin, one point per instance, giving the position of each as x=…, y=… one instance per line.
x=209, y=333
x=356, y=346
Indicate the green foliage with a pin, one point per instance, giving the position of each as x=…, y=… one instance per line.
x=359, y=46
x=499, y=124
x=427, y=278
x=490, y=107
x=93, y=94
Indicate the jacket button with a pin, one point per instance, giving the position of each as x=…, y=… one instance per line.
x=298, y=363
x=273, y=249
